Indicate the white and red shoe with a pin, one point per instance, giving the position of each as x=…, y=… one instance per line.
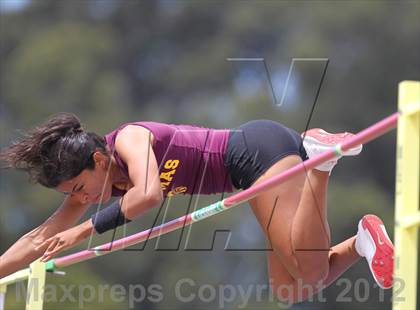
x=317, y=141
x=373, y=243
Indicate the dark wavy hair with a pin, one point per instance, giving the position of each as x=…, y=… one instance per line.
x=55, y=151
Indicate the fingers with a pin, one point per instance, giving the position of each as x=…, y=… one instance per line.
x=46, y=243
x=55, y=245
x=50, y=254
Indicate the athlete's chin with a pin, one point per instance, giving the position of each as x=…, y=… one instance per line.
x=102, y=199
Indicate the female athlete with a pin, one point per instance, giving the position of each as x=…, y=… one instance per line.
x=144, y=162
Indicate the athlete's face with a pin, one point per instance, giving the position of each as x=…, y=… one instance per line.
x=91, y=186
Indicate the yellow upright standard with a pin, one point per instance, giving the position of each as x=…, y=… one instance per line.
x=407, y=214
x=36, y=286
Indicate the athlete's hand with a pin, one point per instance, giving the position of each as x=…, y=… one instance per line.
x=64, y=240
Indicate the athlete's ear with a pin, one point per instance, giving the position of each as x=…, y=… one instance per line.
x=100, y=159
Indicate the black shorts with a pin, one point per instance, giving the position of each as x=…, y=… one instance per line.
x=255, y=146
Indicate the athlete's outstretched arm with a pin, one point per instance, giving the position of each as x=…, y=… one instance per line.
x=133, y=144
x=23, y=251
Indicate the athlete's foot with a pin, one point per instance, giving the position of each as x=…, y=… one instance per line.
x=373, y=243
x=317, y=141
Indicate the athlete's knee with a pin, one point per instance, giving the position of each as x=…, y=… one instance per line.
x=284, y=291
x=311, y=270
x=316, y=274
x=294, y=292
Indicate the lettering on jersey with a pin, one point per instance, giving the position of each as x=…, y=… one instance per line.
x=177, y=190
x=167, y=175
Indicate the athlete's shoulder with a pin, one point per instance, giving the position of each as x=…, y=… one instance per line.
x=134, y=132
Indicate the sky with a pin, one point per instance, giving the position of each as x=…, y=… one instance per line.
x=12, y=5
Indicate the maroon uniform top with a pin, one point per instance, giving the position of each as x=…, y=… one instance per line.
x=190, y=158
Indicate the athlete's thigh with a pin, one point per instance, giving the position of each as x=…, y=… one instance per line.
x=275, y=209
x=281, y=281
